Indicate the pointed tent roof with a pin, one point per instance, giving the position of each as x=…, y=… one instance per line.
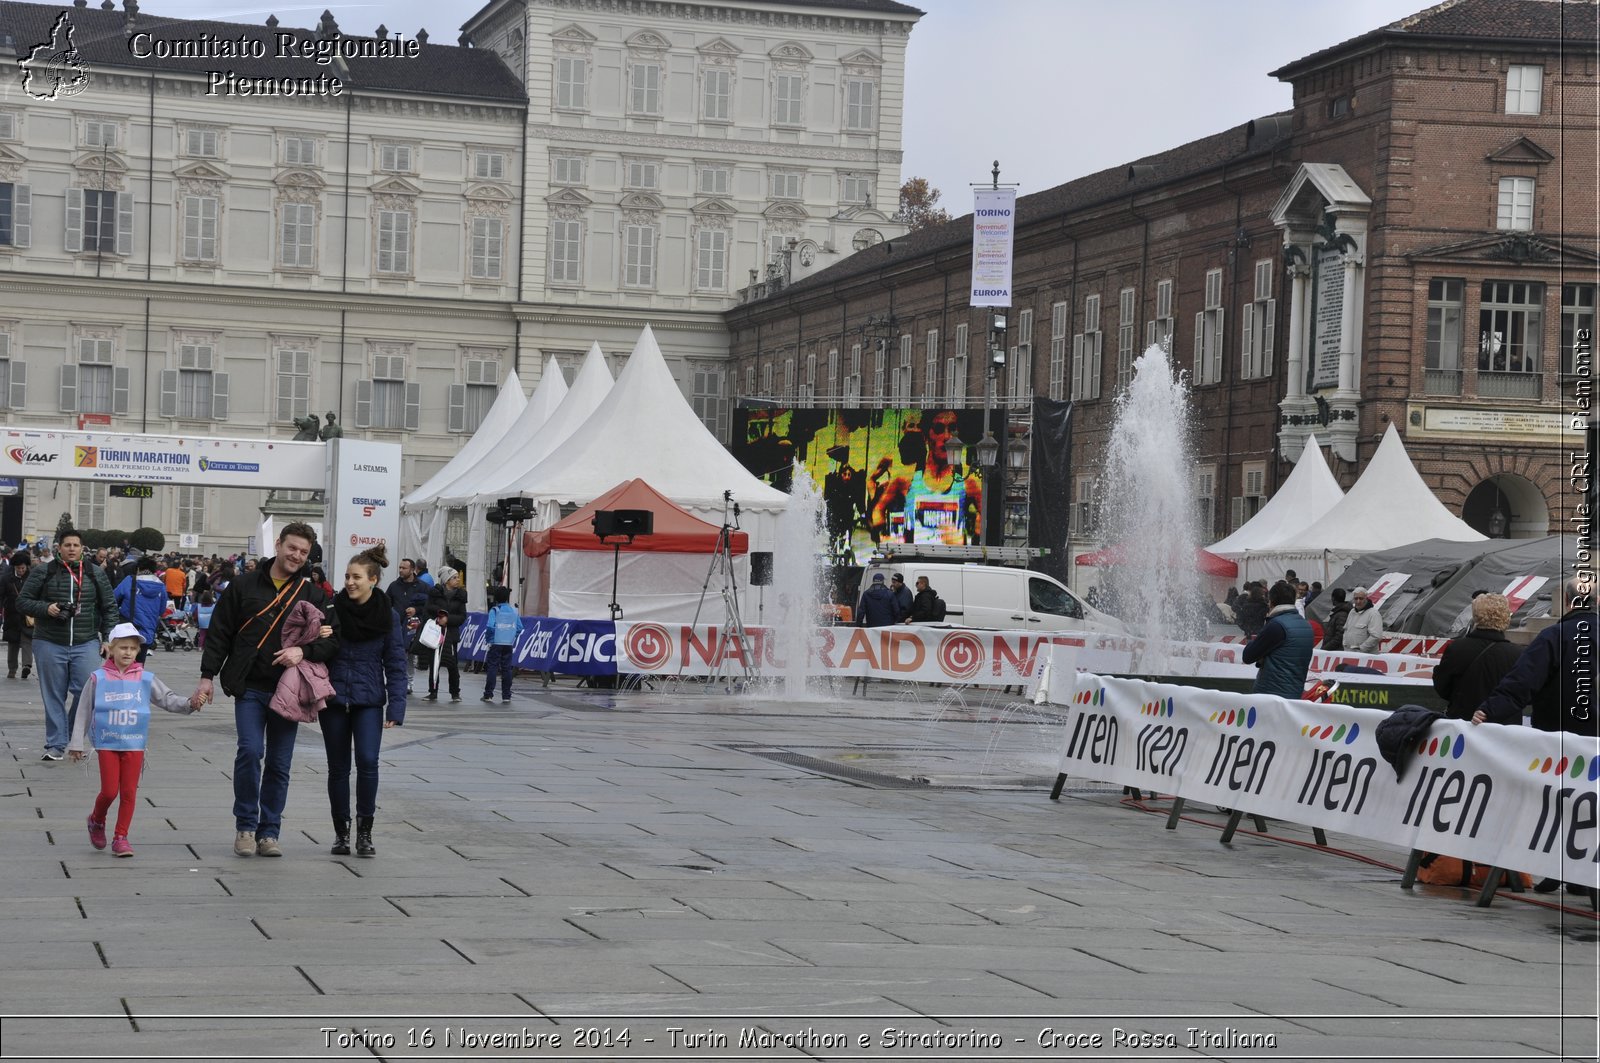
x=1301, y=501
x=645, y=428
x=676, y=531
x=503, y=478
x=1389, y=506
x=508, y=406
x=547, y=398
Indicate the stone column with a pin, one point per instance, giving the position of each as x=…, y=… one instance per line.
x=1296, y=407
x=1346, y=398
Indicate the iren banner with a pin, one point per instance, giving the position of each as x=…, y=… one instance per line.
x=1509, y=797
x=994, y=218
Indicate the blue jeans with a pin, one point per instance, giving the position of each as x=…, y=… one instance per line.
x=343, y=728
x=259, y=793
x=499, y=664
x=62, y=672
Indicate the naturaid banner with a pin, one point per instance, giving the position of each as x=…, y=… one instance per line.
x=1510, y=797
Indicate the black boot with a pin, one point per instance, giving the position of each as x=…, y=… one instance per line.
x=364, y=837
x=341, y=841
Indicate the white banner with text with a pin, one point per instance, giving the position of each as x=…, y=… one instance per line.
x=1510, y=797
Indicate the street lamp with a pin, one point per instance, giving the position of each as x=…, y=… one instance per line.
x=988, y=447
x=1017, y=454
x=955, y=448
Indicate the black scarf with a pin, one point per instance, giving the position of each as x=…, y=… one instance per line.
x=363, y=622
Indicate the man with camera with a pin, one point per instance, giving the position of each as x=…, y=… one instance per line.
x=74, y=610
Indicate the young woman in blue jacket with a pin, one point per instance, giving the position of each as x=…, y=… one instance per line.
x=369, y=694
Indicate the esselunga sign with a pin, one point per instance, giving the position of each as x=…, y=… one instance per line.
x=210, y=461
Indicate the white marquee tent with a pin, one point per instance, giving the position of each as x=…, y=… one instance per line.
x=1389, y=506
x=417, y=507
x=503, y=473
x=434, y=512
x=646, y=429
x=1299, y=503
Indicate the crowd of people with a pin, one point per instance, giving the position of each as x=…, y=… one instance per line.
x=273, y=634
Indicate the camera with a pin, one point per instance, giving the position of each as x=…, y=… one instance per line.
x=69, y=608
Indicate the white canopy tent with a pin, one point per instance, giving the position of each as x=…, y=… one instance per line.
x=1388, y=507
x=417, y=508
x=547, y=396
x=502, y=474
x=646, y=429
x=1299, y=503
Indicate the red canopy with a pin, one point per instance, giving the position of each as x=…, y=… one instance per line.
x=1205, y=561
x=676, y=530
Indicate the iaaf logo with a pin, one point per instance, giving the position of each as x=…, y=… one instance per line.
x=29, y=456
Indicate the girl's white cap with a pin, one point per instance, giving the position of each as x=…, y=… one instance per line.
x=125, y=631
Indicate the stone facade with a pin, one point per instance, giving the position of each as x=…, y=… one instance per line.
x=176, y=261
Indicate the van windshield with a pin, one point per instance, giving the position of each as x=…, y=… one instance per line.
x=1047, y=597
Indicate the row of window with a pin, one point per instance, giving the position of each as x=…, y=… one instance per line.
x=1511, y=360
x=1076, y=359
x=640, y=255
x=645, y=92
x=644, y=175
x=89, y=501
x=306, y=152
x=101, y=222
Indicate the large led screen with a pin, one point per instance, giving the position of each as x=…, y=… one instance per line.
x=884, y=475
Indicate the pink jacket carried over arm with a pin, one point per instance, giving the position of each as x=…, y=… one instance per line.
x=303, y=689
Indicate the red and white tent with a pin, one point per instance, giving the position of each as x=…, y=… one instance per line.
x=660, y=576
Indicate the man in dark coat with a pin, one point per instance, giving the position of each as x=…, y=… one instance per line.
x=447, y=604
x=74, y=610
x=1555, y=674
x=902, y=596
x=1282, y=651
x=18, y=629
x=926, y=606
x=1252, y=610
x=244, y=646
x=1337, y=615
x=877, y=607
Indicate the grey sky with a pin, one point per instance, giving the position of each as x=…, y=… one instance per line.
x=1054, y=89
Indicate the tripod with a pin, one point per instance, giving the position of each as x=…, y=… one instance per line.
x=733, y=631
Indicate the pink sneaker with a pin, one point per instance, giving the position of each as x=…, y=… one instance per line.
x=120, y=846
x=97, y=833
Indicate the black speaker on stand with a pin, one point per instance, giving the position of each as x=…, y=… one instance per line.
x=761, y=568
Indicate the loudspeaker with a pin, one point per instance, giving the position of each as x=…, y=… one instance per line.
x=761, y=568
x=495, y=516
x=514, y=510
x=629, y=522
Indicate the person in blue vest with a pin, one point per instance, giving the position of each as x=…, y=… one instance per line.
x=142, y=598
x=1282, y=652
x=116, y=701
x=504, y=624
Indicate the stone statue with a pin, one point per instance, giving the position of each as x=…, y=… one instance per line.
x=331, y=430
x=307, y=426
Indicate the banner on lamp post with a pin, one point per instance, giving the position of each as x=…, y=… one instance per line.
x=993, y=223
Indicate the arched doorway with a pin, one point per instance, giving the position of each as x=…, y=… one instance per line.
x=1507, y=506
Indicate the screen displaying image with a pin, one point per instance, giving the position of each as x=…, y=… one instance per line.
x=884, y=475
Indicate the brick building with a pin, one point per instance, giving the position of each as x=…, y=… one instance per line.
x=1413, y=242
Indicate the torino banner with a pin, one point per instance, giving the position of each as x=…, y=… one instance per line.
x=994, y=218
x=1510, y=797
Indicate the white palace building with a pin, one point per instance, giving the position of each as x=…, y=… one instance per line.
x=215, y=229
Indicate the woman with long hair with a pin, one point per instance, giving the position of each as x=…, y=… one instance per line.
x=369, y=678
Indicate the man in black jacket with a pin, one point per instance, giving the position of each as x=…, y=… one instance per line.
x=447, y=605
x=244, y=646
x=408, y=594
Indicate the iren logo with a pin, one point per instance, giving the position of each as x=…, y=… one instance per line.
x=1567, y=814
x=1159, y=747
x=1445, y=798
x=1335, y=779
x=1240, y=763
x=1561, y=767
x=1094, y=734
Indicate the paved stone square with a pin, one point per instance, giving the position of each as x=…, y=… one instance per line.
x=871, y=877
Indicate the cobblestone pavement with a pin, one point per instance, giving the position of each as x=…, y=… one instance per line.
x=672, y=874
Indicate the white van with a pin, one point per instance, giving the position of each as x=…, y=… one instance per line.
x=989, y=596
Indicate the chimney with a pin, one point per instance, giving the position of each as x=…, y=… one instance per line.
x=272, y=22
x=327, y=29
x=382, y=32
x=422, y=36
x=131, y=7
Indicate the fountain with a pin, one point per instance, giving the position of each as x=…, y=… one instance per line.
x=1150, y=509
x=797, y=590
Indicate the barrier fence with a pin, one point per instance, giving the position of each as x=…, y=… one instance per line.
x=1509, y=797
x=912, y=653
